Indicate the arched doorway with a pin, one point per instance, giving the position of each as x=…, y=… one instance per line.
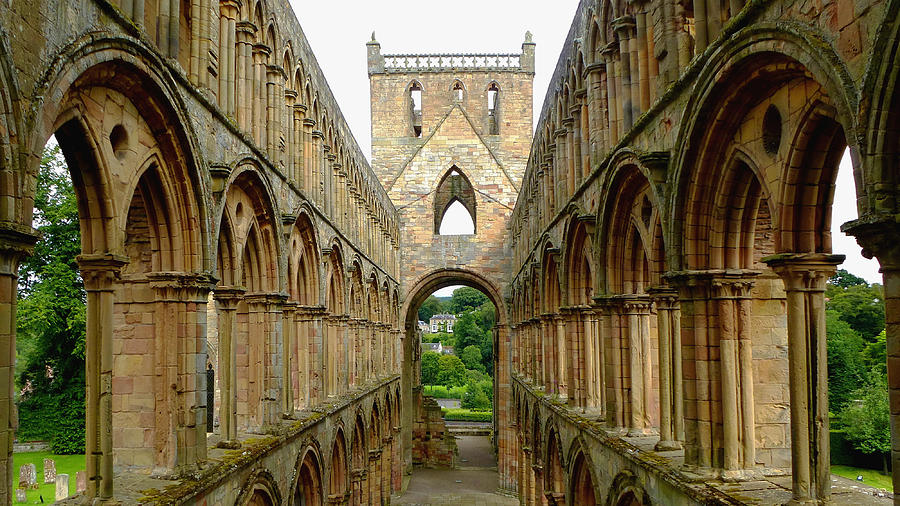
x=411, y=396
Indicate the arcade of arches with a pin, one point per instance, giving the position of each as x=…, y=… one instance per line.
x=656, y=246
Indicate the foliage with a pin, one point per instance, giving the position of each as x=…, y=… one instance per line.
x=440, y=337
x=467, y=415
x=475, y=397
x=469, y=333
x=451, y=371
x=51, y=316
x=844, y=279
x=845, y=361
x=442, y=392
x=430, y=368
x=866, y=421
x=861, y=306
x=431, y=307
x=471, y=356
x=875, y=353
x=465, y=299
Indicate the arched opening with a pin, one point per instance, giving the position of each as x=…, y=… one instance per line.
x=454, y=204
x=308, y=491
x=359, y=463
x=477, y=306
x=339, y=481
x=493, y=109
x=583, y=492
x=555, y=481
x=134, y=256
x=415, y=108
x=457, y=91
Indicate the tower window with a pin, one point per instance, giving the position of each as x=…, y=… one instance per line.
x=458, y=91
x=493, y=102
x=415, y=106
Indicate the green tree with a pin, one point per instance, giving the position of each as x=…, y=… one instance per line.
x=846, y=371
x=862, y=306
x=466, y=331
x=844, y=279
x=431, y=307
x=51, y=316
x=486, y=316
x=471, y=356
x=475, y=398
x=430, y=368
x=875, y=353
x=867, y=420
x=452, y=371
x=466, y=298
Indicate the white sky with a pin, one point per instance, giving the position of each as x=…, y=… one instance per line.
x=338, y=31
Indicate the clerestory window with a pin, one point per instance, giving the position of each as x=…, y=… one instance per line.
x=415, y=108
x=454, y=205
x=493, y=103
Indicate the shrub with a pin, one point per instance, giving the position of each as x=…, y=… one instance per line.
x=467, y=415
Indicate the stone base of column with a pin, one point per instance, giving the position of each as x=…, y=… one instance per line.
x=668, y=446
x=231, y=444
x=736, y=475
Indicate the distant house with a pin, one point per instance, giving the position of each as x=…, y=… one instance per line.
x=435, y=347
x=448, y=350
x=423, y=327
x=442, y=323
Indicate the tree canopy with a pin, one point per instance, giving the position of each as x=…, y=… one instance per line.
x=51, y=316
x=466, y=298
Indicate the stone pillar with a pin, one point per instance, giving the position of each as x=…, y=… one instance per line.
x=244, y=75
x=299, y=150
x=643, y=55
x=610, y=55
x=624, y=26
x=878, y=237
x=598, y=128
x=100, y=273
x=311, y=184
x=636, y=309
x=804, y=276
x=229, y=10
x=562, y=365
x=260, y=55
x=180, y=336
x=613, y=344
x=274, y=97
x=671, y=428
x=288, y=358
x=732, y=296
x=227, y=299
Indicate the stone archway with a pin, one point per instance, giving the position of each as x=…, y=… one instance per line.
x=417, y=294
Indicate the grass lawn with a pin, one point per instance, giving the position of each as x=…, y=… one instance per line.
x=65, y=464
x=871, y=477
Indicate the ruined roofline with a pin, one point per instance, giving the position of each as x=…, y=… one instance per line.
x=394, y=63
x=450, y=62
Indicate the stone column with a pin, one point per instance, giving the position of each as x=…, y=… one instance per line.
x=637, y=312
x=244, y=72
x=229, y=10
x=671, y=429
x=877, y=234
x=804, y=276
x=287, y=131
x=299, y=142
x=612, y=345
x=180, y=351
x=227, y=299
x=562, y=364
x=624, y=26
x=260, y=55
x=309, y=162
x=598, y=128
x=614, y=108
x=732, y=296
x=288, y=358
x=274, y=97
x=100, y=273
